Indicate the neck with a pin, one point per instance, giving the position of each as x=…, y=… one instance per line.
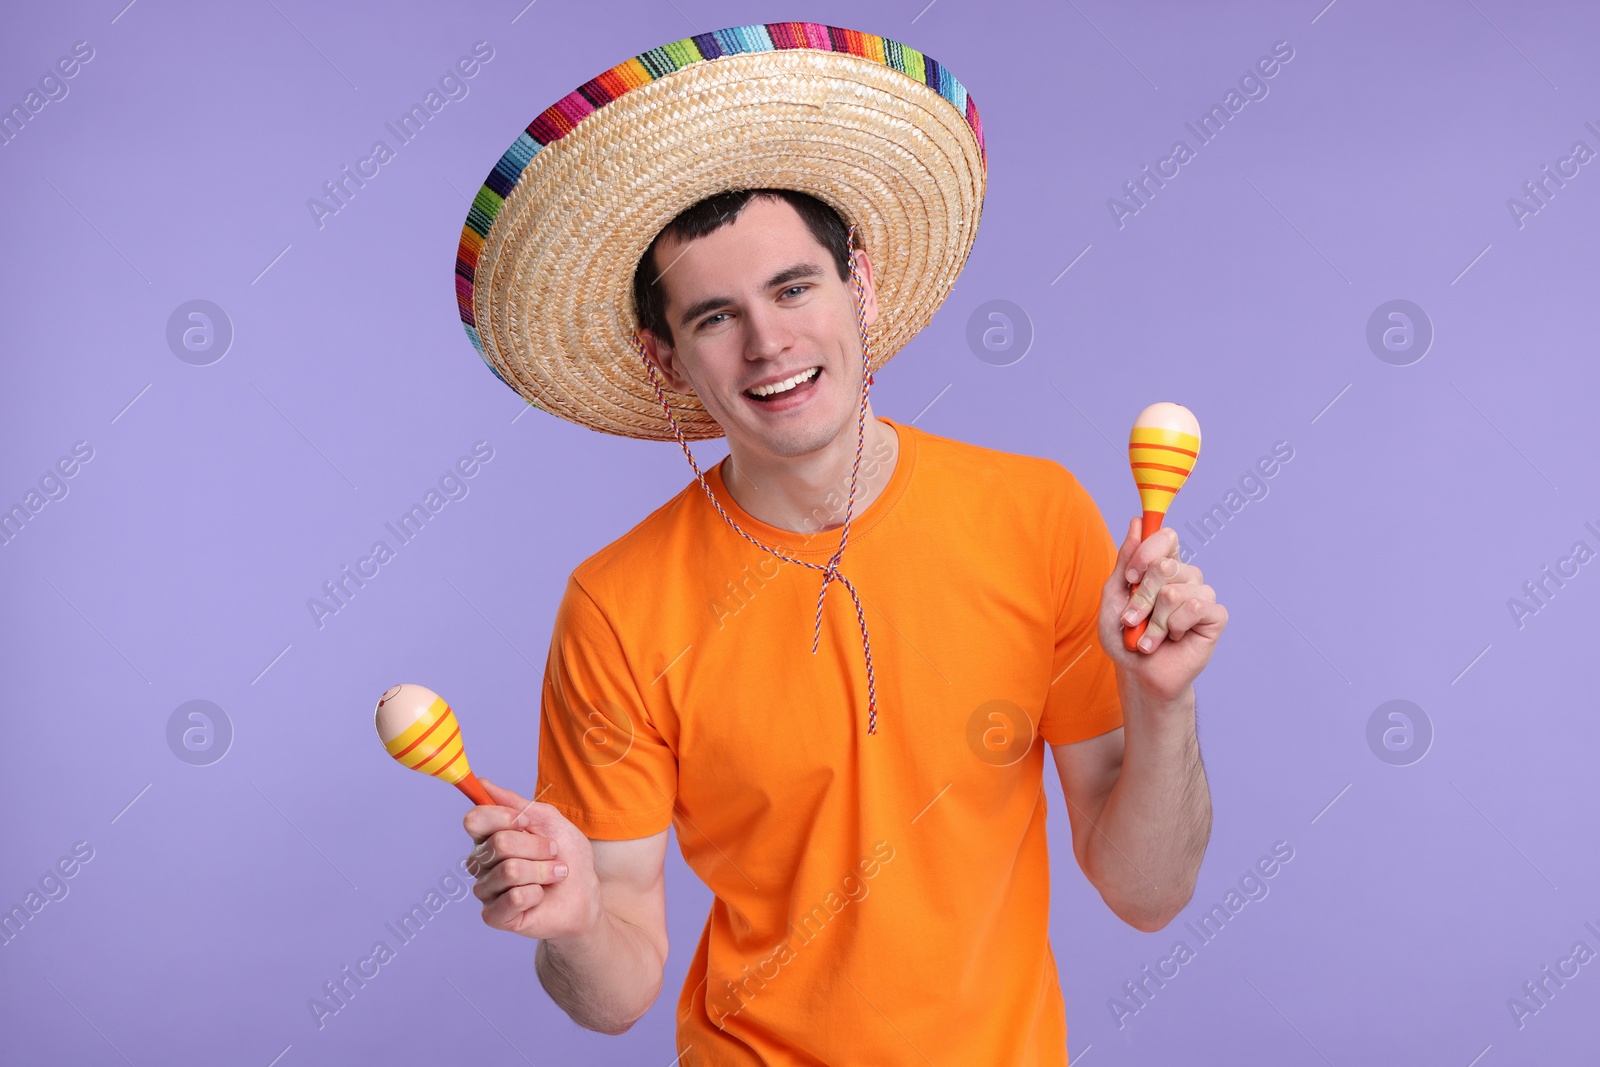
x=807, y=494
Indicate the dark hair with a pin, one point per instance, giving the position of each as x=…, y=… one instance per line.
x=711, y=214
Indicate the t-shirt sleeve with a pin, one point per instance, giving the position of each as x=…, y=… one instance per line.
x=602, y=763
x=1082, y=699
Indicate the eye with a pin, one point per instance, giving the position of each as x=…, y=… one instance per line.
x=710, y=321
x=794, y=288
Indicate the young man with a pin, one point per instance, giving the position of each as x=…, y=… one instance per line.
x=866, y=807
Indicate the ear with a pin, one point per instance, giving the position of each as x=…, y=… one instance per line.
x=869, y=302
x=665, y=359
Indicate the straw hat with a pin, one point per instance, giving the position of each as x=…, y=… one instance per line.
x=875, y=129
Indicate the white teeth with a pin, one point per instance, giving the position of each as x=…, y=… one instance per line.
x=787, y=384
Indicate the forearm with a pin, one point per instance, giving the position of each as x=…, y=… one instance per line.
x=1156, y=820
x=605, y=980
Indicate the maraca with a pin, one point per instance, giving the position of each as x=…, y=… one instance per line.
x=1162, y=448
x=419, y=729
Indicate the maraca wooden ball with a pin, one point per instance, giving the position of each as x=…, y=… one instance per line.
x=1162, y=449
x=419, y=729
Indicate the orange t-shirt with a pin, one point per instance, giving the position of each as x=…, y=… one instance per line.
x=879, y=898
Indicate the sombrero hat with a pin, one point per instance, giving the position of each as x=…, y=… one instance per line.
x=880, y=132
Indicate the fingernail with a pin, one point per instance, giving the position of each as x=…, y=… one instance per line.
x=560, y=870
x=1129, y=616
x=1145, y=644
x=1168, y=568
x=522, y=821
x=1133, y=576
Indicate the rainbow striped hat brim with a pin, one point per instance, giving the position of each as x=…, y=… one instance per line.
x=882, y=133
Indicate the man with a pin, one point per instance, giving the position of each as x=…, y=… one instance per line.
x=874, y=838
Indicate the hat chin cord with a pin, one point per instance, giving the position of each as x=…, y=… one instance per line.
x=830, y=571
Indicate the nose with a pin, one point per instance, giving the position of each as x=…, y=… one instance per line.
x=768, y=333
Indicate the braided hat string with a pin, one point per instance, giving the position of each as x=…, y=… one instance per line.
x=830, y=571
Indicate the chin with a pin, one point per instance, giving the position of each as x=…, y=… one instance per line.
x=799, y=442
x=817, y=432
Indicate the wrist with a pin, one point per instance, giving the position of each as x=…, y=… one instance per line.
x=1139, y=701
x=588, y=932
x=1160, y=728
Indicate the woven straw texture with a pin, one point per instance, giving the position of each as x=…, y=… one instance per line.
x=544, y=276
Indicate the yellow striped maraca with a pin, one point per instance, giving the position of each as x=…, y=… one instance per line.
x=419, y=729
x=1162, y=449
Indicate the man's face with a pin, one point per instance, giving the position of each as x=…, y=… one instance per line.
x=759, y=302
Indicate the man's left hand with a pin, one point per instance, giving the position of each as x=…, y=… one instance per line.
x=1185, y=618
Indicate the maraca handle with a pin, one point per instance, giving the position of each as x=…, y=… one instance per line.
x=1131, y=634
x=474, y=789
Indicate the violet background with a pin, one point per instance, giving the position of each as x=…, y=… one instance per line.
x=220, y=498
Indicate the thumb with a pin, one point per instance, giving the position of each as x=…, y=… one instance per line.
x=504, y=797
x=1130, y=545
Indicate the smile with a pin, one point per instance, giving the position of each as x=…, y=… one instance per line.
x=800, y=383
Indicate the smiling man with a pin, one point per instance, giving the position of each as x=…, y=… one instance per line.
x=771, y=352
x=857, y=776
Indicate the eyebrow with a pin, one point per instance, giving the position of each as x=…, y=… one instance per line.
x=783, y=277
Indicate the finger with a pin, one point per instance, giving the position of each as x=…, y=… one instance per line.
x=544, y=818
x=479, y=821
x=1168, y=603
x=1166, y=573
x=1144, y=595
x=482, y=820
x=522, y=844
x=515, y=872
x=1161, y=544
x=1166, y=599
x=509, y=844
x=1130, y=544
x=1189, y=613
x=505, y=797
x=1155, y=630
x=1114, y=591
x=1210, y=620
x=505, y=912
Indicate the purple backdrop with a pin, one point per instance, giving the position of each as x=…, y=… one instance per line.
x=1417, y=541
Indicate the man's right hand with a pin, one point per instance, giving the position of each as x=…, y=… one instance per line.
x=535, y=870
x=606, y=973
